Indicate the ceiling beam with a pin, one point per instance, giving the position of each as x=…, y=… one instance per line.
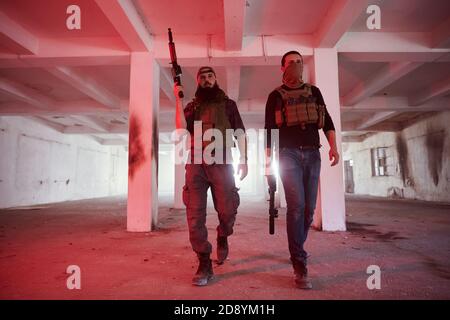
x=424, y=56
x=338, y=20
x=379, y=127
x=16, y=38
x=234, y=15
x=74, y=51
x=80, y=130
x=192, y=50
x=389, y=47
x=127, y=19
x=353, y=139
x=400, y=104
x=375, y=119
x=26, y=94
x=386, y=76
x=81, y=107
x=435, y=90
x=91, y=122
x=47, y=123
x=405, y=109
x=113, y=129
x=87, y=85
x=358, y=46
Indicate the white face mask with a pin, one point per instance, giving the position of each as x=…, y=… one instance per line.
x=292, y=76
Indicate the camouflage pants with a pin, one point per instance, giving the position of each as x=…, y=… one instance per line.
x=199, y=177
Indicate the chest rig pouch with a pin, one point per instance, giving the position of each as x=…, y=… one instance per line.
x=213, y=116
x=299, y=107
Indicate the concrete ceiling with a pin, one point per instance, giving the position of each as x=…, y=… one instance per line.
x=267, y=17
x=419, y=79
x=408, y=15
x=44, y=18
x=386, y=77
x=184, y=17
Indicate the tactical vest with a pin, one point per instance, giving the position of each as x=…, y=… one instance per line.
x=299, y=107
x=213, y=115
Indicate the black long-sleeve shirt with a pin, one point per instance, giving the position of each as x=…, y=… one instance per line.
x=295, y=136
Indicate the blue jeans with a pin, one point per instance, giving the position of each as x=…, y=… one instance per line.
x=300, y=171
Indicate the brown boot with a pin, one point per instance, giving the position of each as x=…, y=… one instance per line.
x=301, y=277
x=302, y=281
x=204, y=272
x=222, y=249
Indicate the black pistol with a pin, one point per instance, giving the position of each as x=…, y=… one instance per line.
x=176, y=69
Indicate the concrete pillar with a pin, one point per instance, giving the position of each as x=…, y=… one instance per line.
x=331, y=201
x=178, y=186
x=180, y=152
x=142, y=206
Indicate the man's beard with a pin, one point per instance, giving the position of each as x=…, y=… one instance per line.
x=209, y=93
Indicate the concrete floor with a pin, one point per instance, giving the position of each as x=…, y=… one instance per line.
x=409, y=240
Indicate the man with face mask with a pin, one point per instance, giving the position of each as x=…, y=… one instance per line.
x=210, y=109
x=298, y=111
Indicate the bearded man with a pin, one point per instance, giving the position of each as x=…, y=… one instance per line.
x=211, y=109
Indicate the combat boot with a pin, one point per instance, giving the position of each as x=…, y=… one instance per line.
x=222, y=249
x=204, y=272
x=301, y=277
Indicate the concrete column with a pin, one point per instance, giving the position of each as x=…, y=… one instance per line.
x=331, y=201
x=180, y=157
x=142, y=206
x=178, y=186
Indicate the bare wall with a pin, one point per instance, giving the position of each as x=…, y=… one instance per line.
x=40, y=165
